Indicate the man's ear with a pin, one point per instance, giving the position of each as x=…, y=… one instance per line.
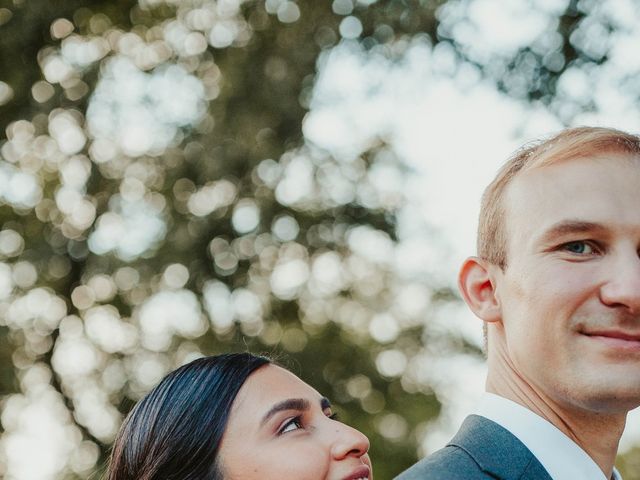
x=478, y=289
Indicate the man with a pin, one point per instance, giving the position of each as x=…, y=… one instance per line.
x=557, y=283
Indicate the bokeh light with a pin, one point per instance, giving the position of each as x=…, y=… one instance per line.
x=184, y=178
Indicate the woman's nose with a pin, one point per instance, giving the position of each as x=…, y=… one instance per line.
x=348, y=442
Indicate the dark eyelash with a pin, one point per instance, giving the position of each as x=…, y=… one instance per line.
x=295, y=420
x=298, y=421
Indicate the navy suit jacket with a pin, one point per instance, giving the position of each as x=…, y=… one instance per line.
x=481, y=450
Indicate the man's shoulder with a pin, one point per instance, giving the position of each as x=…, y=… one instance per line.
x=449, y=463
x=480, y=450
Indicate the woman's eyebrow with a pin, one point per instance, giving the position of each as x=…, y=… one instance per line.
x=299, y=404
x=325, y=403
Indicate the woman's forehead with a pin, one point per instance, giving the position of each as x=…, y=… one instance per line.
x=271, y=384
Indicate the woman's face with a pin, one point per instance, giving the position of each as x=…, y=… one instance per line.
x=281, y=428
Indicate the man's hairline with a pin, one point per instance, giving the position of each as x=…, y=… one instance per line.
x=538, y=164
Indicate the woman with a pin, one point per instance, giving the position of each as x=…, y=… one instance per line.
x=236, y=416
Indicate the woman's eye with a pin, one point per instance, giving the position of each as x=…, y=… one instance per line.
x=580, y=247
x=293, y=424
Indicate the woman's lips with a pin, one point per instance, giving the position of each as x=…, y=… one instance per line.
x=361, y=472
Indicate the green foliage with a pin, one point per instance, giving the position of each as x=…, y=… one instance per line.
x=233, y=256
x=629, y=464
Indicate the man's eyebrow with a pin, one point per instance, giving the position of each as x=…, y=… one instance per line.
x=299, y=404
x=567, y=227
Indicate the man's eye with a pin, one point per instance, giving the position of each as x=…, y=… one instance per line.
x=291, y=425
x=580, y=247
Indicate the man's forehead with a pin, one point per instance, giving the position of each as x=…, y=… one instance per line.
x=561, y=173
x=589, y=189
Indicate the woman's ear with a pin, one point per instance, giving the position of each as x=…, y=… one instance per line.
x=478, y=289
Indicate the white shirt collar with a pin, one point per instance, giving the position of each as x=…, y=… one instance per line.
x=558, y=454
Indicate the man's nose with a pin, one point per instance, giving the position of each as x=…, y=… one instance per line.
x=348, y=442
x=623, y=288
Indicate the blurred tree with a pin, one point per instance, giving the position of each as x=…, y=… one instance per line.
x=158, y=202
x=629, y=464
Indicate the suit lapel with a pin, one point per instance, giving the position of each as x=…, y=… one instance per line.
x=497, y=451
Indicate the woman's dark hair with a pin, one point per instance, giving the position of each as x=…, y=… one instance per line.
x=175, y=431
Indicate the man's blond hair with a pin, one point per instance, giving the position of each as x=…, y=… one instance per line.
x=570, y=144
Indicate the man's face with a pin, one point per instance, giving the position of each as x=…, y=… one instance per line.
x=570, y=295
